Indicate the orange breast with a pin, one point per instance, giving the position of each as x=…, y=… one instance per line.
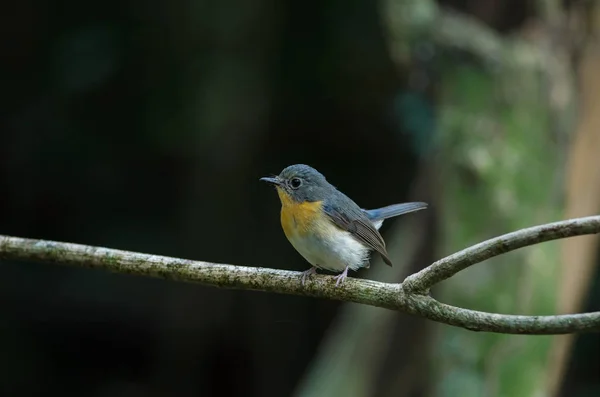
x=298, y=218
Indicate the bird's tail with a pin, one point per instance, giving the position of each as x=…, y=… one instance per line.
x=379, y=214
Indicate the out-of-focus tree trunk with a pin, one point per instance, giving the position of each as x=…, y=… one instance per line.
x=582, y=191
x=506, y=110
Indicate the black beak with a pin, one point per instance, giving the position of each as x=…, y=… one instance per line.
x=273, y=181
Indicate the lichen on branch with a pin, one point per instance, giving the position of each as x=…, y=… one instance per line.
x=411, y=296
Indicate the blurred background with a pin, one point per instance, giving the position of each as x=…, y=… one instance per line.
x=145, y=126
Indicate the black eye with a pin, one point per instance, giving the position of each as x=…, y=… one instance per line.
x=295, y=183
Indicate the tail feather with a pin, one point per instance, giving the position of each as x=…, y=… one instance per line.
x=378, y=215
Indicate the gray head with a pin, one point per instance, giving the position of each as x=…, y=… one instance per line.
x=301, y=183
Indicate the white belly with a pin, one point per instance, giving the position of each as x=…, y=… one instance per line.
x=332, y=249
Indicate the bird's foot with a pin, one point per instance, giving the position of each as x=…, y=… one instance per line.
x=340, y=278
x=307, y=273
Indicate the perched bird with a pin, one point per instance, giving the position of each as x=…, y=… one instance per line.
x=326, y=227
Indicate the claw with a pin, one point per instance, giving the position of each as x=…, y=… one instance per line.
x=307, y=273
x=341, y=277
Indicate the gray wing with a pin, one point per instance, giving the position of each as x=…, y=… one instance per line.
x=360, y=227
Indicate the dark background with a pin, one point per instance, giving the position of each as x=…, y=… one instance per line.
x=145, y=126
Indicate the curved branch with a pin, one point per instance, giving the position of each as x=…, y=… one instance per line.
x=447, y=267
x=409, y=297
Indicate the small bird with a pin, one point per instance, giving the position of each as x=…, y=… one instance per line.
x=326, y=227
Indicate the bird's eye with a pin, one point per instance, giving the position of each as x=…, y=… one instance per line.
x=295, y=183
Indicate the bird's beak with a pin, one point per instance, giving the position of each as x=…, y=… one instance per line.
x=274, y=181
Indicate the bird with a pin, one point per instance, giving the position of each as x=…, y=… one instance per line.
x=327, y=228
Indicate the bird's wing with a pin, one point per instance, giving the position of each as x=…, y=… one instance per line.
x=361, y=228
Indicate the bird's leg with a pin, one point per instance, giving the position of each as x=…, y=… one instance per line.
x=312, y=270
x=342, y=276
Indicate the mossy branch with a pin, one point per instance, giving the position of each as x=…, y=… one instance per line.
x=410, y=297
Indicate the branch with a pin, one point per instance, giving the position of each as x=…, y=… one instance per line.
x=408, y=297
x=447, y=267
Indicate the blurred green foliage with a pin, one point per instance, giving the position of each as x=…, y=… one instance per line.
x=501, y=164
